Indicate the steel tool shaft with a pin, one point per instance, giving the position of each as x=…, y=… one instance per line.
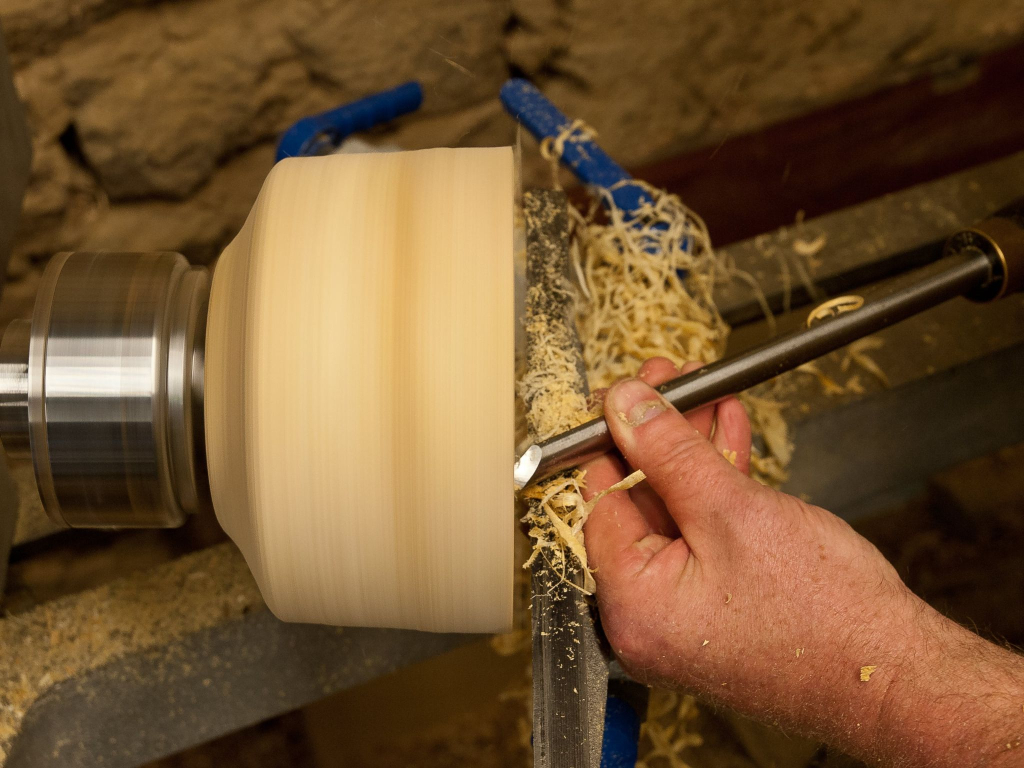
x=975, y=265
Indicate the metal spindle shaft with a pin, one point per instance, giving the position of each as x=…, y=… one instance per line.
x=960, y=273
x=14, y=423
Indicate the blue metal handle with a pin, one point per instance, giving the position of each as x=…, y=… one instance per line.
x=591, y=164
x=314, y=134
x=585, y=158
x=621, y=734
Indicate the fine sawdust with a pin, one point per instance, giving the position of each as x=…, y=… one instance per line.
x=64, y=638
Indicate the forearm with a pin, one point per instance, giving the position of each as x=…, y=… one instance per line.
x=936, y=694
x=939, y=696
x=959, y=701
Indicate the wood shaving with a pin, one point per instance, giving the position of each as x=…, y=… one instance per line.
x=808, y=248
x=766, y=420
x=856, y=353
x=833, y=308
x=828, y=384
x=559, y=531
x=789, y=262
x=645, y=289
x=551, y=149
x=634, y=303
x=866, y=672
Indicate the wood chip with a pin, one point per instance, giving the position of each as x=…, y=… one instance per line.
x=810, y=247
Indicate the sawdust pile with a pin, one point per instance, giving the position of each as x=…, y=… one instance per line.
x=67, y=637
x=644, y=288
x=551, y=384
x=646, y=285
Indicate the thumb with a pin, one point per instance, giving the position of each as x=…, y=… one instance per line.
x=681, y=465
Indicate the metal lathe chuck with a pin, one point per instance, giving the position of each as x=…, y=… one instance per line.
x=104, y=389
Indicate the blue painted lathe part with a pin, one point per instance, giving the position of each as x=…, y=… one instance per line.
x=317, y=134
x=621, y=734
x=591, y=164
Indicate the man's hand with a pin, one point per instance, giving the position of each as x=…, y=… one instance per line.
x=711, y=582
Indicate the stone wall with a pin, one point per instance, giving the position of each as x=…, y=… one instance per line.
x=154, y=121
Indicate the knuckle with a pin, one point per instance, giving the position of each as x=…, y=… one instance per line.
x=672, y=451
x=626, y=617
x=629, y=641
x=688, y=470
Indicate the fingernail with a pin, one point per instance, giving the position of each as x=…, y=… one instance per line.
x=634, y=403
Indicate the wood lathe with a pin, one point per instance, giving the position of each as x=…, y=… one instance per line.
x=268, y=662
x=341, y=392
x=109, y=387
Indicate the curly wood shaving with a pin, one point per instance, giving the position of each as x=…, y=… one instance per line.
x=828, y=384
x=808, y=248
x=625, y=484
x=557, y=528
x=551, y=148
x=633, y=303
x=857, y=353
x=639, y=306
